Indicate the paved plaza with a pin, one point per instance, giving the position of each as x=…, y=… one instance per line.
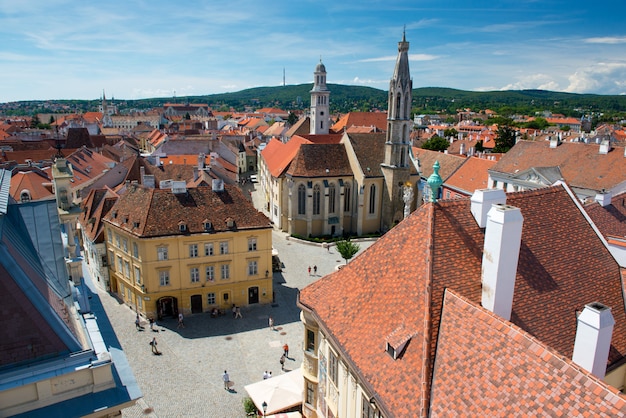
x=186, y=380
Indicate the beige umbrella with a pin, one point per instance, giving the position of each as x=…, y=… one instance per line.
x=279, y=392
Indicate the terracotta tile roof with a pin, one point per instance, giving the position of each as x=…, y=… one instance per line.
x=448, y=163
x=87, y=165
x=470, y=176
x=323, y=139
x=313, y=160
x=140, y=211
x=360, y=119
x=36, y=156
x=370, y=152
x=97, y=204
x=610, y=219
x=278, y=156
x=384, y=288
x=185, y=159
x=301, y=127
x=510, y=372
x=581, y=164
x=34, y=181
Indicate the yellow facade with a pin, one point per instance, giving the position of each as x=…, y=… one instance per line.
x=194, y=273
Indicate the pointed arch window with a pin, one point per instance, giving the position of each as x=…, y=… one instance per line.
x=402, y=157
x=372, y=208
x=332, y=196
x=398, y=101
x=301, y=199
x=347, y=196
x=316, y=199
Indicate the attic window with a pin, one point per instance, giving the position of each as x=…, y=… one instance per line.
x=135, y=224
x=114, y=214
x=397, y=342
x=207, y=225
x=230, y=222
x=182, y=227
x=126, y=219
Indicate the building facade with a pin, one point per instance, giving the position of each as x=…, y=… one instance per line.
x=188, y=250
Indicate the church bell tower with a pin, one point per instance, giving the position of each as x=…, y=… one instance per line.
x=320, y=118
x=396, y=165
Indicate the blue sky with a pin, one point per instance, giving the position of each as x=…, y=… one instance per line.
x=61, y=49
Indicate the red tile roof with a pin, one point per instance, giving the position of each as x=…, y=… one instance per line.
x=385, y=289
x=360, y=119
x=581, y=165
x=507, y=372
x=140, y=211
x=95, y=207
x=320, y=160
x=610, y=219
x=278, y=156
x=448, y=163
x=470, y=176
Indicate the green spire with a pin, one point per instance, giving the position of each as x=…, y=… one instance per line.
x=434, y=182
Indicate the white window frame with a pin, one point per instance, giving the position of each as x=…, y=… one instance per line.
x=253, y=268
x=162, y=253
x=225, y=271
x=193, y=250
x=194, y=274
x=209, y=273
x=251, y=244
x=208, y=249
x=164, y=278
x=224, y=247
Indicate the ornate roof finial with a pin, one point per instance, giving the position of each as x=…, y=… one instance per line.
x=404, y=34
x=434, y=182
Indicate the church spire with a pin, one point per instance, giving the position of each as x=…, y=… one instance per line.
x=320, y=117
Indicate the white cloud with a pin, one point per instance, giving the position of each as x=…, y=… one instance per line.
x=607, y=40
x=533, y=81
x=605, y=77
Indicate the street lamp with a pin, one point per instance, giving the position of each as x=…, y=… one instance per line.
x=264, y=405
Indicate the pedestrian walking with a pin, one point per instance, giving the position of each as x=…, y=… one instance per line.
x=181, y=320
x=234, y=311
x=265, y=375
x=137, y=323
x=151, y=320
x=315, y=270
x=153, y=343
x=269, y=375
x=286, y=350
x=282, y=362
x=271, y=323
x=238, y=313
x=309, y=270
x=226, y=380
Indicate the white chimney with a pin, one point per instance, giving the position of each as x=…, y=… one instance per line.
x=462, y=149
x=593, y=338
x=503, y=237
x=482, y=200
x=603, y=198
x=605, y=147
x=554, y=142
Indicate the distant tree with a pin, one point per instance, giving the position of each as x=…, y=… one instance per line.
x=479, y=146
x=450, y=119
x=35, y=121
x=187, y=116
x=565, y=128
x=537, y=123
x=436, y=143
x=450, y=132
x=505, y=139
x=51, y=121
x=292, y=118
x=347, y=249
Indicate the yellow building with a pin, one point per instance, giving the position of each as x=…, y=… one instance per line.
x=188, y=250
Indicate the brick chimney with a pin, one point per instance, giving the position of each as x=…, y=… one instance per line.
x=593, y=338
x=503, y=237
x=482, y=200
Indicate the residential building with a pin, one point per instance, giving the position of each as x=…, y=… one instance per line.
x=471, y=307
x=188, y=250
x=469, y=177
x=589, y=169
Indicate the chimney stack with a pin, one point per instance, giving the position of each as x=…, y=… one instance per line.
x=503, y=238
x=603, y=198
x=482, y=200
x=593, y=338
x=605, y=147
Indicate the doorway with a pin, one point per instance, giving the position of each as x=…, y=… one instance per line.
x=167, y=306
x=196, y=304
x=253, y=295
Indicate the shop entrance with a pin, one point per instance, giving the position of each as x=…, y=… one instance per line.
x=167, y=306
x=196, y=304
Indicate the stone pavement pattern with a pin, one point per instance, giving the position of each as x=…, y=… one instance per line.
x=186, y=380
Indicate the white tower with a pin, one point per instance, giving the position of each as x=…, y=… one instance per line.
x=320, y=118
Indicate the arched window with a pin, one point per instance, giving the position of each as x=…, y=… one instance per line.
x=346, y=196
x=301, y=199
x=402, y=157
x=25, y=196
x=373, y=198
x=404, y=134
x=397, y=112
x=332, y=195
x=316, y=199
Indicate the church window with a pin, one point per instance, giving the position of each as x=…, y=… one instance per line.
x=347, y=197
x=402, y=157
x=397, y=112
x=301, y=199
x=372, y=199
x=407, y=108
x=316, y=199
x=332, y=196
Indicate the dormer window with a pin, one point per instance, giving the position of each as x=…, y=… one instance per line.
x=182, y=227
x=397, y=342
x=207, y=225
x=230, y=222
x=126, y=219
x=25, y=196
x=135, y=224
x=114, y=214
